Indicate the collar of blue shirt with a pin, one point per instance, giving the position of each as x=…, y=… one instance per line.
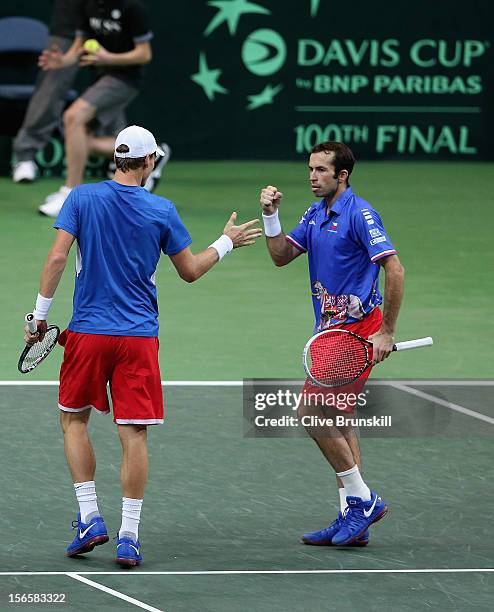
x=340, y=202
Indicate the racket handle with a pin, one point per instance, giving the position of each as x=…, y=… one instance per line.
x=31, y=323
x=411, y=344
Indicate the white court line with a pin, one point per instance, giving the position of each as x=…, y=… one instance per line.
x=239, y=383
x=29, y=383
x=106, y=589
x=445, y=403
x=432, y=382
x=401, y=385
x=438, y=570
x=164, y=383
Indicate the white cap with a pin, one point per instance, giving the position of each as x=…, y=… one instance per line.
x=139, y=140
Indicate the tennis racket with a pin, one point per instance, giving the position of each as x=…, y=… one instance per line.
x=33, y=355
x=337, y=357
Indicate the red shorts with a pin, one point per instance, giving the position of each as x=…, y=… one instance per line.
x=128, y=363
x=369, y=325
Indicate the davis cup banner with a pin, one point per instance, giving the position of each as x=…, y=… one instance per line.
x=257, y=79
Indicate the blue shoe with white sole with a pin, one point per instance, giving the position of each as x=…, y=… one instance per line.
x=325, y=536
x=88, y=535
x=358, y=518
x=128, y=552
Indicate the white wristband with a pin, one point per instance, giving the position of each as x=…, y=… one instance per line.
x=223, y=245
x=42, y=307
x=272, y=225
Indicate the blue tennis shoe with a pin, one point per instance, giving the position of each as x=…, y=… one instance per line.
x=359, y=516
x=325, y=536
x=88, y=535
x=128, y=552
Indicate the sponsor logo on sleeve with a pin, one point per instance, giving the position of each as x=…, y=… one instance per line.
x=367, y=216
x=374, y=232
x=378, y=240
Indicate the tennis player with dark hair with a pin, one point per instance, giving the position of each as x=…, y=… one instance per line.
x=121, y=230
x=347, y=245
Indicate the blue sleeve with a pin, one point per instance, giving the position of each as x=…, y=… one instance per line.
x=372, y=235
x=68, y=217
x=298, y=235
x=175, y=237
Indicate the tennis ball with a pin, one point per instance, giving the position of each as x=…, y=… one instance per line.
x=91, y=45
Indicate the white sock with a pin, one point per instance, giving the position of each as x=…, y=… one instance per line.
x=353, y=483
x=343, y=495
x=86, y=496
x=131, y=517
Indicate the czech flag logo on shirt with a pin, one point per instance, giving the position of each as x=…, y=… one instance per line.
x=333, y=227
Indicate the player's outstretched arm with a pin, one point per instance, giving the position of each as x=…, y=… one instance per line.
x=192, y=266
x=281, y=251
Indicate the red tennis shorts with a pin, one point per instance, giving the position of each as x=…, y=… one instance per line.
x=128, y=363
x=346, y=395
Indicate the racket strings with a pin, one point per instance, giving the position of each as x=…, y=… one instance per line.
x=39, y=350
x=337, y=358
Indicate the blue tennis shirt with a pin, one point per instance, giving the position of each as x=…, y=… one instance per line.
x=343, y=248
x=120, y=231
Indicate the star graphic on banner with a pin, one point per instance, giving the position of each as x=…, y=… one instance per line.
x=266, y=96
x=314, y=7
x=208, y=79
x=230, y=11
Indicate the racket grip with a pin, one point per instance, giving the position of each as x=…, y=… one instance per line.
x=31, y=323
x=411, y=344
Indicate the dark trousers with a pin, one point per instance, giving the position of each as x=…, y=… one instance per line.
x=45, y=107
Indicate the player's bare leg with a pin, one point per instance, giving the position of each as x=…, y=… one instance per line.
x=353, y=442
x=335, y=443
x=82, y=464
x=134, y=472
x=75, y=120
x=77, y=445
x=336, y=450
x=341, y=449
x=134, y=475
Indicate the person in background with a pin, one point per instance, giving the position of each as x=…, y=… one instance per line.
x=120, y=34
x=46, y=105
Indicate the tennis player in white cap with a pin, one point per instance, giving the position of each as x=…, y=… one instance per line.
x=121, y=230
